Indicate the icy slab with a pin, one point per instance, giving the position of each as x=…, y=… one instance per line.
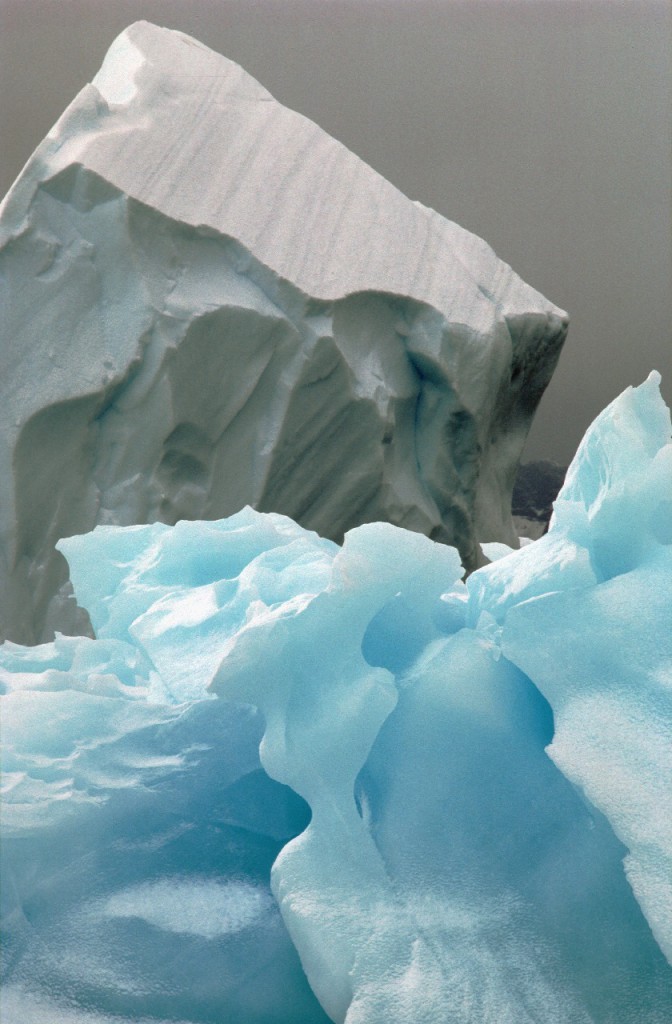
x=440, y=865
x=208, y=302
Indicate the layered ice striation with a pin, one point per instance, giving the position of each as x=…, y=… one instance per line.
x=208, y=302
x=291, y=781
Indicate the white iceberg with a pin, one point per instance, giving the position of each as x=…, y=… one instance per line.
x=207, y=302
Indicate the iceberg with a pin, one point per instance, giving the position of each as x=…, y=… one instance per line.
x=209, y=303
x=292, y=780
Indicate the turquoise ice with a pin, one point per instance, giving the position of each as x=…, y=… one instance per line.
x=291, y=781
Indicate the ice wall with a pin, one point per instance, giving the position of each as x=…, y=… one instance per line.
x=440, y=866
x=208, y=302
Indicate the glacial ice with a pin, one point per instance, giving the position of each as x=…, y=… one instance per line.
x=288, y=771
x=208, y=302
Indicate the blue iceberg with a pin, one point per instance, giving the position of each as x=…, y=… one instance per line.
x=292, y=781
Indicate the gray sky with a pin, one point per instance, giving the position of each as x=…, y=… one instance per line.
x=545, y=126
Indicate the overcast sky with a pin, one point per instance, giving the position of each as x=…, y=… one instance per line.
x=545, y=126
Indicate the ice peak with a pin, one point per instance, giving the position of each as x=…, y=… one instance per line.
x=228, y=307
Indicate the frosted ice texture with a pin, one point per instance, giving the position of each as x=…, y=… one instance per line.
x=378, y=732
x=207, y=302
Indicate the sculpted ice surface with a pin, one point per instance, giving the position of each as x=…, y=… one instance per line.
x=377, y=731
x=291, y=780
x=208, y=302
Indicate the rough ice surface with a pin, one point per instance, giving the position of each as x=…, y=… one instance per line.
x=288, y=772
x=208, y=302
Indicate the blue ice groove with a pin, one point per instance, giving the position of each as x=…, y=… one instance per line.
x=291, y=781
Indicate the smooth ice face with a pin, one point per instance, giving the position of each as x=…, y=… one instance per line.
x=439, y=866
x=605, y=664
x=208, y=303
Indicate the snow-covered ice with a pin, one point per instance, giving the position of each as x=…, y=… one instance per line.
x=207, y=302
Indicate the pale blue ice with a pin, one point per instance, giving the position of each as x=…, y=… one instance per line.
x=292, y=782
